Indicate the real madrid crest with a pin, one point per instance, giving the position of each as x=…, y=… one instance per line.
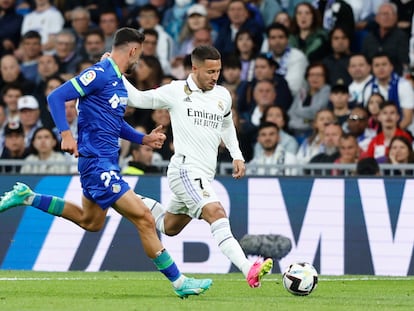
x=220, y=106
x=188, y=92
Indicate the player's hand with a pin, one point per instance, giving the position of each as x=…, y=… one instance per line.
x=155, y=139
x=105, y=55
x=69, y=144
x=239, y=169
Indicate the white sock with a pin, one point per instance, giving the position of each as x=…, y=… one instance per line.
x=229, y=246
x=179, y=282
x=157, y=211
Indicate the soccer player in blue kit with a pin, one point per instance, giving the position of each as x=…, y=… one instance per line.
x=102, y=102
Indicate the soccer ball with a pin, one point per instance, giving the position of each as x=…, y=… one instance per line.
x=300, y=278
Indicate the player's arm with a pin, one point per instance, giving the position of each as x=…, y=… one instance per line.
x=137, y=98
x=56, y=100
x=229, y=137
x=155, y=139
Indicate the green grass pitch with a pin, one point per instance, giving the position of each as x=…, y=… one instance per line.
x=123, y=291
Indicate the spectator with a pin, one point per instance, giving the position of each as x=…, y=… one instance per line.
x=359, y=69
x=10, y=93
x=367, y=167
x=337, y=13
x=30, y=51
x=279, y=116
x=264, y=95
x=239, y=18
x=196, y=19
x=3, y=122
x=387, y=38
x=348, y=154
x=94, y=44
x=374, y=106
x=47, y=67
x=329, y=149
x=272, y=153
x=29, y=113
x=307, y=33
x=246, y=49
x=201, y=36
x=10, y=25
x=65, y=53
x=149, y=18
x=405, y=9
x=338, y=60
x=357, y=125
x=83, y=64
x=313, y=96
x=332, y=133
x=282, y=18
x=313, y=144
x=146, y=75
x=392, y=86
x=270, y=9
x=45, y=19
x=141, y=162
x=14, y=147
x=10, y=73
x=267, y=68
x=175, y=16
x=94, y=8
x=411, y=44
x=339, y=98
x=400, y=152
x=364, y=12
x=292, y=62
x=80, y=23
x=231, y=75
x=264, y=69
x=44, y=150
x=149, y=47
x=109, y=24
x=50, y=84
x=379, y=145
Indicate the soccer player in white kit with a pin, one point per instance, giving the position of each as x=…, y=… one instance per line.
x=201, y=117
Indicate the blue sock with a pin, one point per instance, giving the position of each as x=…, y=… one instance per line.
x=49, y=204
x=166, y=265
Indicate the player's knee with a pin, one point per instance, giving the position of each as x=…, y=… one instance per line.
x=212, y=212
x=146, y=220
x=92, y=226
x=172, y=231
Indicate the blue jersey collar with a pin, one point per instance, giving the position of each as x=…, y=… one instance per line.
x=116, y=68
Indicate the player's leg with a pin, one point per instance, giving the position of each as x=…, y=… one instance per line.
x=133, y=208
x=166, y=222
x=215, y=215
x=90, y=217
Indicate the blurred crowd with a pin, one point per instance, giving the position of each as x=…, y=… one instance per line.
x=312, y=81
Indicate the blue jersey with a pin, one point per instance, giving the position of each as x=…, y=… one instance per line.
x=102, y=103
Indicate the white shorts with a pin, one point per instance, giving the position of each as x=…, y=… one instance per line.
x=191, y=190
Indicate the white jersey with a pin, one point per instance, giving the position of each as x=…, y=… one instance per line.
x=48, y=22
x=199, y=120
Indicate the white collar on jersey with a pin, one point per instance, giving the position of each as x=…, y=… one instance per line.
x=191, y=85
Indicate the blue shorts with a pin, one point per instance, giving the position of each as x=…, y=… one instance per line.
x=101, y=180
